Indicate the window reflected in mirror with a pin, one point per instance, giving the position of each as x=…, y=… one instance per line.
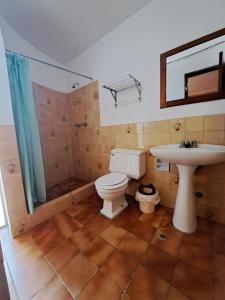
x=194, y=72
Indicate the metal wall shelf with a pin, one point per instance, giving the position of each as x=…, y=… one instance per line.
x=122, y=85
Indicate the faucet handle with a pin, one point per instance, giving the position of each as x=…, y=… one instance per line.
x=182, y=144
x=194, y=144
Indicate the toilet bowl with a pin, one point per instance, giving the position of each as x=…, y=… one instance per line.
x=123, y=165
x=111, y=188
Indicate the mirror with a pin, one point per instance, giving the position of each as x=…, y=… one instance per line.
x=194, y=72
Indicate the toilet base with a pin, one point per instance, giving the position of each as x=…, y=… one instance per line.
x=113, y=208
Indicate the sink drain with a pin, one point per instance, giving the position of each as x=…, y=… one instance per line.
x=162, y=236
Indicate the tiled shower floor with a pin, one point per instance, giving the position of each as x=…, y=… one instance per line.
x=63, y=188
x=79, y=254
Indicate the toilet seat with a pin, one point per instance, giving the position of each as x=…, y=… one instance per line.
x=111, y=181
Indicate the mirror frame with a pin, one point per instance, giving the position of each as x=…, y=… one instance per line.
x=196, y=99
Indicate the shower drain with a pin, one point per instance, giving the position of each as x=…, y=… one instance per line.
x=162, y=236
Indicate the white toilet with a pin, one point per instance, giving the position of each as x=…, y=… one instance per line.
x=124, y=165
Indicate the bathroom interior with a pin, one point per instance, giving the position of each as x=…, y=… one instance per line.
x=112, y=150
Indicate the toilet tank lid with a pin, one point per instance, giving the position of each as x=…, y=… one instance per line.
x=128, y=151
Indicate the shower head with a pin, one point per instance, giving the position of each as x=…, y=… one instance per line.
x=76, y=84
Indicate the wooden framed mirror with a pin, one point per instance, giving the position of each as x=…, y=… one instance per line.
x=193, y=72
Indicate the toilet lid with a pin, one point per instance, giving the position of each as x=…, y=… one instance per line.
x=112, y=179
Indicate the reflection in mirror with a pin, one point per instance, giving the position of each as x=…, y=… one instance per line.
x=195, y=71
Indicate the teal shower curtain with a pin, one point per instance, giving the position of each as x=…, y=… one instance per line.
x=27, y=130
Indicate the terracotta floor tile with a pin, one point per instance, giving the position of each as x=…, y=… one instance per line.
x=170, y=229
x=219, y=290
x=74, y=209
x=196, y=256
x=99, y=251
x=66, y=224
x=124, y=220
x=218, y=263
x=125, y=297
x=133, y=246
x=133, y=210
x=100, y=287
x=31, y=279
x=85, y=216
x=161, y=210
x=18, y=244
x=53, y=290
x=42, y=229
x=167, y=218
x=146, y=286
x=97, y=224
x=82, y=238
x=61, y=255
x=119, y=268
x=199, y=238
x=176, y=295
x=205, y=225
x=171, y=244
x=193, y=283
x=77, y=273
x=113, y=234
x=219, y=230
x=143, y=230
x=103, y=272
x=219, y=245
x=95, y=204
x=152, y=219
x=49, y=241
x=161, y=263
x=24, y=258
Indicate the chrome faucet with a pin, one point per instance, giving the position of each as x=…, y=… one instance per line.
x=188, y=144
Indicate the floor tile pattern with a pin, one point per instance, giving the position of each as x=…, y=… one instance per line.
x=80, y=254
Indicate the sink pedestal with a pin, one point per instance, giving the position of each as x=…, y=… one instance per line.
x=184, y=218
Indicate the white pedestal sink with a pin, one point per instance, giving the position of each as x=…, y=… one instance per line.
x=187, y=160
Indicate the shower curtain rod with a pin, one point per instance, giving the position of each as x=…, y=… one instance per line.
x=51, y=65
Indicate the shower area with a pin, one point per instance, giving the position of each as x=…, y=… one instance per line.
x=55, y=121
x=62, y=124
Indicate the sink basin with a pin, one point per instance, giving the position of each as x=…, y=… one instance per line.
x=202, y=155
x=187, y=160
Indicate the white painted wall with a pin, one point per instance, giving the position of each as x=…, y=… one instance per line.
x=135, y=46
x=40, y=73
x=6, y=117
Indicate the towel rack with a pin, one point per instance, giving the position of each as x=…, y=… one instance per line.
x=122, y=85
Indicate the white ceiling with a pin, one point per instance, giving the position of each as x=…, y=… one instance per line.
x=62, y=29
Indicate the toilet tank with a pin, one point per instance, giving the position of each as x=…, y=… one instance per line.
x=128, y=161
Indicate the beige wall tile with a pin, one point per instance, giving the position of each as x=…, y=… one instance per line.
x=176, y=137
x=149, y=140
x=195, y=136
x=162, y=138
x=214, y=137
x=177, y=125
x=53, y=110
x=149, y=128
x=216, y=122
x=194, y=124
x=162, y=127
